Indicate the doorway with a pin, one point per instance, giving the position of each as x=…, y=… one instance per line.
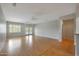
x=68, y=29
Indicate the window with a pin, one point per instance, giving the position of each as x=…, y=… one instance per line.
x=28, y=29
x=14, y=28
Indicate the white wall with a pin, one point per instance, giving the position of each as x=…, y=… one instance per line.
x=77, y=30
x=2, y=29
x=50, y=29
x=77, y=19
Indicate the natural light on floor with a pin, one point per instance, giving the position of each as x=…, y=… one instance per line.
x=14, y=44
x=29, y=39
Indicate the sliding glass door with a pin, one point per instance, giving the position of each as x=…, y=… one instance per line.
x=26, y=30
x=29, y=29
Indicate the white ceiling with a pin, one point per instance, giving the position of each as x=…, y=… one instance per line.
x=36, y=12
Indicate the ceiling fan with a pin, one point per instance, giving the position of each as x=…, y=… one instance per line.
x=34, y=18
x=14, y=4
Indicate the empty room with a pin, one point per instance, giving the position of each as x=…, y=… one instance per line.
x=38, y=29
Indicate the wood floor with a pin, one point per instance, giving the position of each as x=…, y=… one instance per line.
x=37, y=46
